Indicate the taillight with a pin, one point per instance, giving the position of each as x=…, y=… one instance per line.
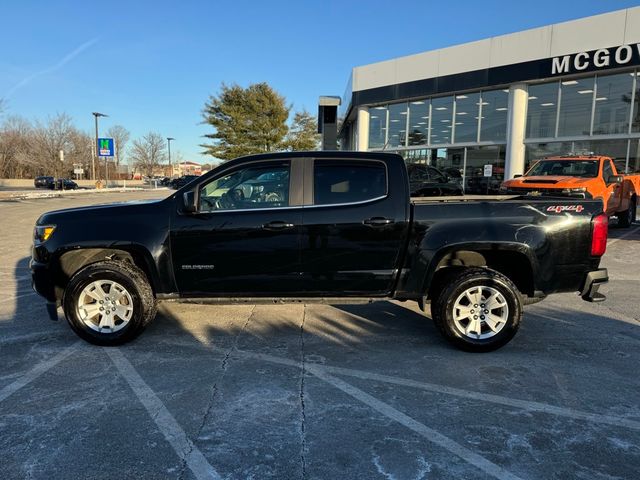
x=599, y=232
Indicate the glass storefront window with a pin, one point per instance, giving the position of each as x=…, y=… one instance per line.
x=397, y=125
x=420, y=155
x=418, y=122
x=449, y=161
x=613, y=101
x=441, y=119
x=493, y=125
x=635, y=119
x=576, y=98
x=634, y=156
x=377, y=127
x=474, y=180
x=542, y=110
x=466, y=126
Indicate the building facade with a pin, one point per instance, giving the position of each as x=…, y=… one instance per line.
x=571, y=87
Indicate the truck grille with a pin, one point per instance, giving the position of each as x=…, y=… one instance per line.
x=556, y=192
x=542, y=191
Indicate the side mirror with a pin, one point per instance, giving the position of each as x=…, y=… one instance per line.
x=614, y=179
x=517, y=175
x=189, y=202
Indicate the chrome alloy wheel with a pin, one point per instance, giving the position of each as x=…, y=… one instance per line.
x=480, y=312
x=105, y=306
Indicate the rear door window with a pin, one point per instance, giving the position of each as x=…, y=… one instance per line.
x=344, y=181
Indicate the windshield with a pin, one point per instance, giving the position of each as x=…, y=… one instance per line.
x=568, y=168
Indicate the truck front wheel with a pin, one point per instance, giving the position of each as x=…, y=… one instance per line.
x=109, y=303
x=478, y=309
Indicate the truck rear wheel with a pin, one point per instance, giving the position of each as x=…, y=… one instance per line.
x=109, y=303
x=478, y=310
x=626, y=218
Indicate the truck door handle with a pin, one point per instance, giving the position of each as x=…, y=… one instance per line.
x=277, y=225
x=377, y=221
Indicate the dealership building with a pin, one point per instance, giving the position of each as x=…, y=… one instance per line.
x=505, y=101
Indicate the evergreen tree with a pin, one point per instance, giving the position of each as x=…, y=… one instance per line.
x=303, y=134
x=246, y=121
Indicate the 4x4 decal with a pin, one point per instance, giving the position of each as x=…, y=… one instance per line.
x=565, y=208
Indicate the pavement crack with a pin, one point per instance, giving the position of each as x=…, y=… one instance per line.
x=303, y=442
x=214, y=394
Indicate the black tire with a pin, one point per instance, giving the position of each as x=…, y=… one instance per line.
x=442, y=309
x=130, y=278
x=626, y=218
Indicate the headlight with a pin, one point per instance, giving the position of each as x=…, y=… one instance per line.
x=42, y=233
x=575, y=190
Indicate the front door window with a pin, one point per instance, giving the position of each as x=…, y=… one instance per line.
x=254, y=187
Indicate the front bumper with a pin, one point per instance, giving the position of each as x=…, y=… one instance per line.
x=589, y=290
x=41, y=280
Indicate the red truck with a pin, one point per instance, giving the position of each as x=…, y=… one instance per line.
x=589, y=177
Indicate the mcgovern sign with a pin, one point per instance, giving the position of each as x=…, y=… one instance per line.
x=596, y=59
x=601, y=60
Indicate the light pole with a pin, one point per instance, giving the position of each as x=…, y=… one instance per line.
x=170, y=164
x=97, y=157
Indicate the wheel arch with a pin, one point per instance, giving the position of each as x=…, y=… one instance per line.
x=72, y=261
x=510, y=260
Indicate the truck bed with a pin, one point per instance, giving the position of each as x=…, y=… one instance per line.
x=463, y=198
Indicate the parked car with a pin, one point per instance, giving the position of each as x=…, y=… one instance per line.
x=481, y=185
x=428, y=181
x=63, y=184
x=582, y=176
x=43, y=182
x=180, y=182
x=324, y=225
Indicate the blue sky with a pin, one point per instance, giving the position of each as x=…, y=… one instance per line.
x=152, y=65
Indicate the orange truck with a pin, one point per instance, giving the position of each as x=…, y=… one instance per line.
x=592, y=177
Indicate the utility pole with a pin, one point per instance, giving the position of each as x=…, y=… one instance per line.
x=97, y=157
x=169, y=146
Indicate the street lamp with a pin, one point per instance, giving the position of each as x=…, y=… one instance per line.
x=170, y=164
x=93, y=165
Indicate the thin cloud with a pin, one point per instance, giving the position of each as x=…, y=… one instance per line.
x=66, y=59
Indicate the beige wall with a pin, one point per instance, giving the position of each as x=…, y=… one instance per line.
x=590, y=33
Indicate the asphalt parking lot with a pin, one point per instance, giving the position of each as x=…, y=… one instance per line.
x=317, y=391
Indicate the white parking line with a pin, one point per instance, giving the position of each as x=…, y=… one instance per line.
x=172, y=431
x=36, y=371
x=458, y=392
x=623, y=236
x=428, y=433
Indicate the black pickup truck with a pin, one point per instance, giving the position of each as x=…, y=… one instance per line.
x=318, y=226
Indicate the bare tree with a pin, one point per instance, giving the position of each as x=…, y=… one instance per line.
x=120, y=137
x=15, y=142
x=31, y=149
x=49, y=138
x=148, y=152
x=79, y=151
